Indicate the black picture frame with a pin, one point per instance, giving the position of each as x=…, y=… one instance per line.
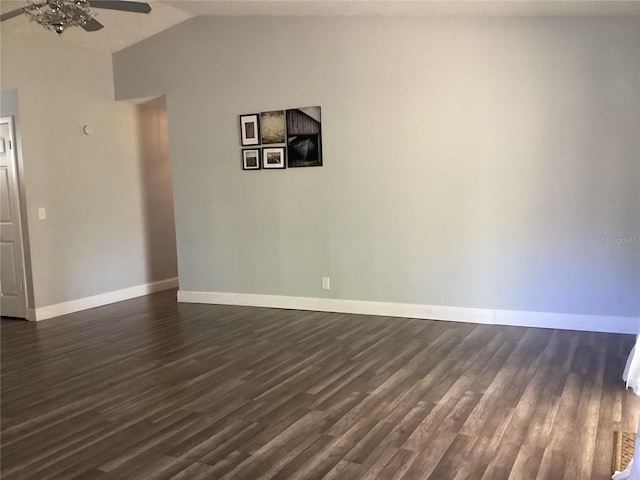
x=251, y=159
x=304, y=137
x=270, y=155
x=250, y=129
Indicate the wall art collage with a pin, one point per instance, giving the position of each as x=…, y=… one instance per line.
x=281, y=139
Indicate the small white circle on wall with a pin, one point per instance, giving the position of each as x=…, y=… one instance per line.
x=88, y=129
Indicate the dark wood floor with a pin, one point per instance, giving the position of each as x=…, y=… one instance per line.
x=148, y=389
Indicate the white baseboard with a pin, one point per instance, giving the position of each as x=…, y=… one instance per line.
x=568, y=321
x=563, y=321
x=85, y=303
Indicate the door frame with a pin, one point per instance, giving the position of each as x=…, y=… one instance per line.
x=17, y=165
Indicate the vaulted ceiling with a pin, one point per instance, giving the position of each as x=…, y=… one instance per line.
x=123, y=29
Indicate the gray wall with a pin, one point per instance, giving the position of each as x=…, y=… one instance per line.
x=94, y=239
x=473, y=162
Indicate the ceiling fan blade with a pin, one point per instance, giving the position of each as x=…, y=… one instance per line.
x=137, y=7
x=11, y=14
x=92, y=25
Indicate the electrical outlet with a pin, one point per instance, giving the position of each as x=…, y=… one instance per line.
x=326, y=285
x=42, y=213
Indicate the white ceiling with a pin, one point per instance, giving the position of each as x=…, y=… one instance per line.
x=123, y=29
x=410, y=8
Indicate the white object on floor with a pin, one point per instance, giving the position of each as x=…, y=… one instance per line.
x=631, y=373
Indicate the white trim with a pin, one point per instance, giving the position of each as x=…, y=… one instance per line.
x=569, y=321
x=563, y=321
x=85, y=303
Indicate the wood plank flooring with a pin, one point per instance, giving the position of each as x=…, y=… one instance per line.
x=151, y=389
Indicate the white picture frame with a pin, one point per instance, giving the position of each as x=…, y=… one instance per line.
x=250, y=129
x=274, y=158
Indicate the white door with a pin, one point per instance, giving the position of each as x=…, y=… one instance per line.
x=13, y=300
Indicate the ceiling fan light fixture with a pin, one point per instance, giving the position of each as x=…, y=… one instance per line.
x=58, y=15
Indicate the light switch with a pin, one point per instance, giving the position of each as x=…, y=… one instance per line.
x=42, y=213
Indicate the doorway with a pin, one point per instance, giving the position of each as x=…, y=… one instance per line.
x=13, y=297
x=157, y=190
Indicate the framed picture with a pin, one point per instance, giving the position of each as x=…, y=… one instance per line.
x=273, y=157
x=304, y=137
x=250, y=129
x=251, y=159
x=272, y=127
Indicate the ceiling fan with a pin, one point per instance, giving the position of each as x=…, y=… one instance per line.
x=57, y=15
